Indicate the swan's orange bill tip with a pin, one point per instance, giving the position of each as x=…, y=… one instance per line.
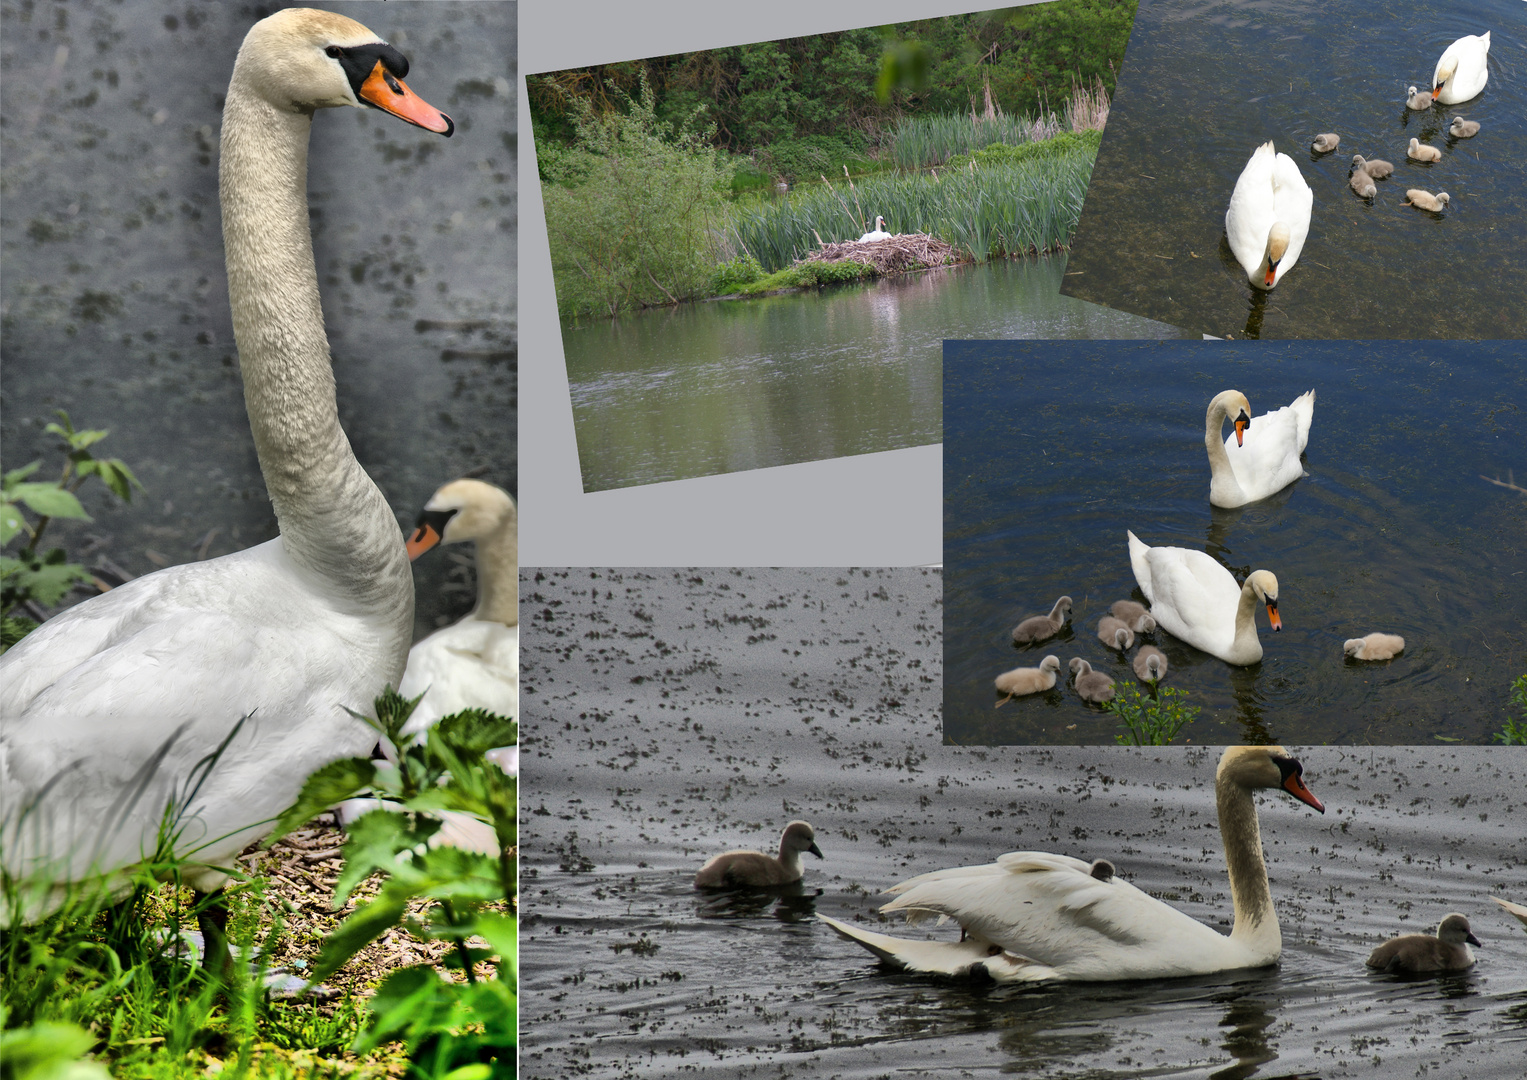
x=424, y=538
x=391, y=94
x=1272, y=272
x=1272, y=617
x=1294, y=785
x=1240, y=431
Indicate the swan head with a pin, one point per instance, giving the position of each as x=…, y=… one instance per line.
x=1277, y=245
x=301, y=60
x=1445, y=71
x=1454, y=930
x=1233, y=406
x=462, y=510
x=1050, y=663
x=1265, y=585
x=1266, y=767
x=799, y=836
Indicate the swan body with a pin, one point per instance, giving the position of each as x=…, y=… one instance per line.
x=1115, y=633
x=1196, y=599
x=755, y=870
x=1419, y=151
x=1376, y=168
x=1033, y=916
x=1374, y=647
x=877, y=233
x=106, y=709
x=1150, y=664
x=1362, y=184
x=1269, y=216
x=1462, y=70
x=1425, y=200
x=1133, y=615
x=1463, y=129
x=1418, y=99
x=1028, y=680
x=1325, y=143
x=1261, y=457
x=474, y=663
x=1041, y=627
x=1091, y=686
x=1423, y=954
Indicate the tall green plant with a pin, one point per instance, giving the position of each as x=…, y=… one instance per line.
x=632, y=209
x=1514, y=733
x=1150, y=721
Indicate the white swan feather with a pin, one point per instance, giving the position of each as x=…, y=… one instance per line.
x=1268, y=218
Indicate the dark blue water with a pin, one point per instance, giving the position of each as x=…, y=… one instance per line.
x=1052, y=451
x=1206, y=81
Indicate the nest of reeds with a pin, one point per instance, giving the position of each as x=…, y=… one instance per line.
x=896, y=255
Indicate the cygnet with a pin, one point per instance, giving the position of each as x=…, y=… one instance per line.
x=1091, y=685
x=1422, y=954
x=1420, y=152
x=1325, y=143
x=1113, y=633
x=1133, y=615
x=1102, y=869
x=1028, y=680
x=1376, y=168
x=1418, y=99
x=1425, y=200
x=1463, y=129
x=1150, y=664
x=1374, y=647
x=1040, y=627
x=754, y=869
x=1362, y=184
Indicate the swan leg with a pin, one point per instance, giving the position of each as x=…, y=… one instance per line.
x=212, y=919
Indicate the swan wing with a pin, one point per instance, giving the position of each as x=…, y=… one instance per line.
x=1268, y=460
x=952, y=958
x=1196, y=598
x=1470, y=60
x=473, y=664
x=1252, y=212
x=1140, y=563
x=1293, y=202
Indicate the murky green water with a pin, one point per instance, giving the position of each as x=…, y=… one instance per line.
x=746, y=384
x=1204, y=84
x=115, y=303
x=673, y=714
x=1052, y=452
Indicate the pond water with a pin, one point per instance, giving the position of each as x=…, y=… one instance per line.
x=115, y=304
x=673, y=714
x=1052, y=452
x=1204, y=83
x=719, y=387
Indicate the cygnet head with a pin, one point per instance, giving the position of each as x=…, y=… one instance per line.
x=1265, y=585
x=1362, y=184
x=1102, y=869
x=1454, y=930
x=1080, y=667
x=1325, y=143
x=799, y=836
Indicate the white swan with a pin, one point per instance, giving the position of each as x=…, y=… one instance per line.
x=1032, y=916
x=1269, y=216
x=877, y=233
x=1195, y=598
x=473, y=663
x=106, y=710
x=1462, y=70
x=1261, y=457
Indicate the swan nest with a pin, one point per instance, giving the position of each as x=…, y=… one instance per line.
x=899, y=254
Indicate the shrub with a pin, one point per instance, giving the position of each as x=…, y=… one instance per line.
x=733, y=275
x=1148, y=721
x=1514, y=733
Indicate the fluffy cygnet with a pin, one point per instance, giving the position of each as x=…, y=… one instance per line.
x=1133, y=615
x=1463, y=129
x=1420, y=152
x=1418, y=99
x=1113, y=633
x=1374, y=647
x=1150, y=664
x=1362, y=184
x=1040, y=627
x=1325, y=143
x=1425, y=200
x=1376, y=168
x=1091, y=685
x=1028, y=680
x=1422, y=954
x=755, y=870
x=1102, y=869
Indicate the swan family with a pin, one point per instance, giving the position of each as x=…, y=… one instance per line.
x=108, y=710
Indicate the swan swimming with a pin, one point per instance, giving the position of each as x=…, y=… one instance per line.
x=1269, y=217
x=1197, y=599
x=1032, y=916
x=1260, y=458
x=1462, y=70
x=755, y=870
x=107, y=709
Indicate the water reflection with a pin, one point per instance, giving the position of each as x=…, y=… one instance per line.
x=787, y=903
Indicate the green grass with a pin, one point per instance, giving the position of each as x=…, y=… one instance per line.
x=1514, y=733
x=1150, y=721
x=920, y=142
x=987, y=211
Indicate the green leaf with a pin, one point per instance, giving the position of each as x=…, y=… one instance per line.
x=45, y=580
x=15, y=476
x=376, y=840
x=473, y=731
x=11, y=522
x=78, y=440
x=336, y=781
x=49, y=500
x=407, y=1001
x=119, y=478
x=351, y=936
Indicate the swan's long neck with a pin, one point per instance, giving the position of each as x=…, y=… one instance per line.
x=498, y=577
x=1221, y=474
x=1246, y=626
x=1256, y=924
x=335, y=524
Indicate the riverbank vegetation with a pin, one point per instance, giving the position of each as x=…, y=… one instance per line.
x=723, y=171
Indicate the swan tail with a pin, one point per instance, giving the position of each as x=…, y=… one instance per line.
x=1304, y=414
x=1137, y=561
x=969, y=959
x=1516, y=909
